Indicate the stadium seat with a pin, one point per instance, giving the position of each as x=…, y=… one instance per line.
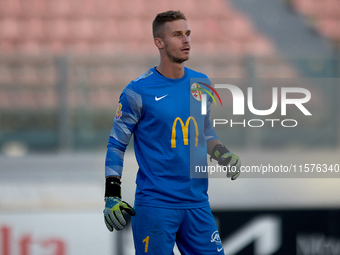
x=325, y=13
x=215, y=8
x=260, y=46
x=121, y=22
x=57, y=29
x=81, y=29
x=333, y=8
x=29, y=47
x=10, y=8
x=240, y=27
x=9, y=29
x=58, y=9
x=133, y=9
x=58, y=47
x=119, y=28
x=33, y=28
x=330, y=28
x=109, y=9
x=34, y=9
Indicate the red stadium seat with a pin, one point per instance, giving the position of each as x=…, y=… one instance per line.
x=29, y=47
x=10, y=8
x=33, y=28
x=9, y=29
x=34, y=8
x=57, y=29
x=81, y=29
x=109, y=9
x=133, y=9
x=58, y=9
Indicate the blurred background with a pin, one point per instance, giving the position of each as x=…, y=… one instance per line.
x=63, y=65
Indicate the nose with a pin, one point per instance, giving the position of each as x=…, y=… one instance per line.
x=186, y=39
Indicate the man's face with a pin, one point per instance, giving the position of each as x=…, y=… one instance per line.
x=176, y=38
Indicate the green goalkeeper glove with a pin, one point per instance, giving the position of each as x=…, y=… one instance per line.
x=113, y=216
x=225, y=158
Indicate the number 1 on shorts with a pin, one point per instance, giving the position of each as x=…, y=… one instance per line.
x=146, y=241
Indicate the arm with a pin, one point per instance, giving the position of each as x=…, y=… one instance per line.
x=211, y=144
x=127, y=116
x=218, y=151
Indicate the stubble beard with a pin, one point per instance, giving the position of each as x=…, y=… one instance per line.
x=173, y=58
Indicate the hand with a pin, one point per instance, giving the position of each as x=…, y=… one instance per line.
x=233, y=164
x=113, y=216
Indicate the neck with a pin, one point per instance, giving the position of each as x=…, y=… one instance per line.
x=171, y=70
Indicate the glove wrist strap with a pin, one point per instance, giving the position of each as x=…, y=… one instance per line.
x=218, y=151
x=112, y=187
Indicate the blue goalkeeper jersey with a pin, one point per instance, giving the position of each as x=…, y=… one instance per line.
x=170, y=139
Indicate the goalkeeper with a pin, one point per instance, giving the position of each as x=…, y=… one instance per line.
x=170, y=206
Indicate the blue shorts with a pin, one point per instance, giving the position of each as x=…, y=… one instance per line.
x=155, y=231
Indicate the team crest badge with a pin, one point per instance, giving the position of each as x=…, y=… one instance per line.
x=215, y=237
x=196, y=91
x=118, y=112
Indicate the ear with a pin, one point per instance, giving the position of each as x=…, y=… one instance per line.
x=159, y=43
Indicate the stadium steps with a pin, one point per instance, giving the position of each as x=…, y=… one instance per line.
x=102, y=27
x=95, y=31
x=293, y=35
x=323, y=15
x=105, y=45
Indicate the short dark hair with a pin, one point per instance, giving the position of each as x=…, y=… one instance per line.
x=162, y=18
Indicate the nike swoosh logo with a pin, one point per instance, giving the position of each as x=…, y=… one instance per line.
x=159, y=98
x=218, y=250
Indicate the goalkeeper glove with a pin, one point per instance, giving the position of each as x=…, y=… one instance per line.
x=113, y=216
x=225, y=158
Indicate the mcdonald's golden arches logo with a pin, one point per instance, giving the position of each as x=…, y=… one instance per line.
x=185, y=130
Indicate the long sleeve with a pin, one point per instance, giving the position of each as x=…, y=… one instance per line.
x=209, y=132
x=127, y=116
